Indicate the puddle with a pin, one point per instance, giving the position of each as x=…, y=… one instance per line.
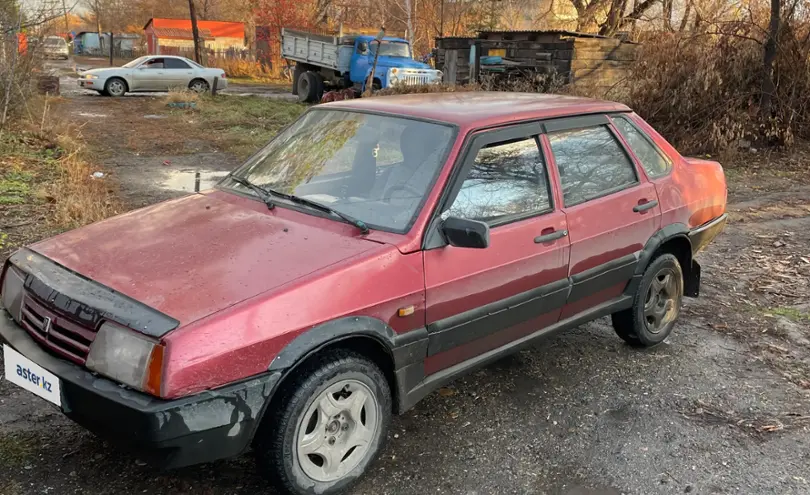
x=183, y=180
x=92, y=115
x=152, y=116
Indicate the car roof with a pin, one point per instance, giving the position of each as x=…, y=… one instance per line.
x=482, y=108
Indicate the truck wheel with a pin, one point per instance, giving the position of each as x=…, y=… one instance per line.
x=329, y=424
x=310, y=88
x=656, y=304
x=298, y=71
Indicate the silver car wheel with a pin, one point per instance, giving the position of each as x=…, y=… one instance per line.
x=116, y=87
x=199, y=86
x=336, y=431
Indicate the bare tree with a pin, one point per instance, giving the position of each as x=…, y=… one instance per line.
x=771, y=47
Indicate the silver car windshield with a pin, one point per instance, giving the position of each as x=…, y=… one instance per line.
x=375, y=168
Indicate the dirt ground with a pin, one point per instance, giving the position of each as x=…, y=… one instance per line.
x=722, y=407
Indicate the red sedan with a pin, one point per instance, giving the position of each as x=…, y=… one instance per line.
x=372, y=252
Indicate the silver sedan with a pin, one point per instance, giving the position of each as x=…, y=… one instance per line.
x=153, y=73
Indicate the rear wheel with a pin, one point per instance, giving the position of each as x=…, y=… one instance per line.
x=198, y=85
x=329, y=425
x=310, y=87
x=656, y=304
x=115, y=87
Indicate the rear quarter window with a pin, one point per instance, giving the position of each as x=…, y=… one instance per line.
x=653, y=161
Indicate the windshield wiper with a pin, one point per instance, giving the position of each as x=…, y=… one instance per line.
x=263, y=193
x=318, y=206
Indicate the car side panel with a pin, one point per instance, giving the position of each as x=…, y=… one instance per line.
x=695, y=190
x=461, y=281
x=244, y=339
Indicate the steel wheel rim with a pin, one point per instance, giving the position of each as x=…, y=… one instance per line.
x=662, y=304
x=336, y=432
x=198, y=87
x=116, y=87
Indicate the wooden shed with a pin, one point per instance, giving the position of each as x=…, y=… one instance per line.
x=580, y=58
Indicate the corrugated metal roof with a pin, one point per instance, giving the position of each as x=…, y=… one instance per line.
x=179, y=33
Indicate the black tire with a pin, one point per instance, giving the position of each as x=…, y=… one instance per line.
x=310, y=87
x=298, y=71
x=655, y=309
x=199, y=85
x=276, y=443
x=111, y=87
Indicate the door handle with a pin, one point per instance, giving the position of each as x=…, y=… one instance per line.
x=645, y=206
x=550, y=237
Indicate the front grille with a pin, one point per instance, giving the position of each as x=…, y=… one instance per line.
x=56, y=332
x=416, y=79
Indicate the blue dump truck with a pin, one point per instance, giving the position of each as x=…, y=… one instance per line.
x=324, y=63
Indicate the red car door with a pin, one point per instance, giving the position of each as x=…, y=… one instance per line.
x=611, y=209
x=481, y=299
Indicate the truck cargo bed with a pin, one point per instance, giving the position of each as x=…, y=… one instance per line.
x=310, y=48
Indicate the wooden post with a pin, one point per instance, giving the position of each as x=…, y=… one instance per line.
x=475, y=61
x=370, y=82
x=196, y=182
x=214, y=87
x=112, y=62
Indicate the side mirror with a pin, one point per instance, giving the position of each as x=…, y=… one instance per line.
x=461, y=232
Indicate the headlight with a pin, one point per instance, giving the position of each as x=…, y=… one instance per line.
x=394, y=70
x=90, y=76
x=12, y=291
x=127, y=357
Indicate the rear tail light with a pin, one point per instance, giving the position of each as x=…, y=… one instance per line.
x=223, y=76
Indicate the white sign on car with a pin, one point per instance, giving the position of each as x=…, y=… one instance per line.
x=21, y=371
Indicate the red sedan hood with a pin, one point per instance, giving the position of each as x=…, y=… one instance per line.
x=196, y=255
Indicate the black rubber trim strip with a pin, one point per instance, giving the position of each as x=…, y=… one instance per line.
x=602, y=277
x=418, y=391
x=404, y=349
x=579, y=122
x=84, y=300
x=479, y=322
x=703, y=235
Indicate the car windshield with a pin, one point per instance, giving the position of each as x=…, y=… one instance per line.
x=135, y=62
x=392, y=49
x=375, y=168
x=55, y=42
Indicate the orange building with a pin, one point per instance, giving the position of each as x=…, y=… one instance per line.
x=171, y=36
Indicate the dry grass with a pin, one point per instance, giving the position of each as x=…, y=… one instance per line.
x=182, y=95
x=46, y=182
x=247, y=69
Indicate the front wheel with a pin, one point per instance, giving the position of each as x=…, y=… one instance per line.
x=115, y=87
x=656, y=304
x=329, y=424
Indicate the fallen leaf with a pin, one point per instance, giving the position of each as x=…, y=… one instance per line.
x=446, y=392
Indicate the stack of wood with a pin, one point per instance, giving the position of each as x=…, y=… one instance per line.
x=584, y=59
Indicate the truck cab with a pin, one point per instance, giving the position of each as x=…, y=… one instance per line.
x=339, y=62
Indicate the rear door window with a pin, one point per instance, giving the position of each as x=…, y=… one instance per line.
x=173, y=63
x=651, y=159
x=591, y=163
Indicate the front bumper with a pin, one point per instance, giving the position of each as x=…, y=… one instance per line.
x=91, y=84
x=212, y=425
